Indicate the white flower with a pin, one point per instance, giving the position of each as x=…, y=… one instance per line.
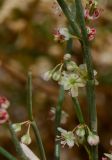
x=71, y=82
x=93, y=139
x=67, y=137
x=80, y=131
x=62, y=34
x=71, y=66
x=28, y=152
x=64, y=31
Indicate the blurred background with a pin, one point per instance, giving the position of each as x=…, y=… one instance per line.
x=26, y=43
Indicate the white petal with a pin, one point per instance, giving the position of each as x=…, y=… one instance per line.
x=74, y=91
x=70, y=143
x=28, y=152
x=62, y=130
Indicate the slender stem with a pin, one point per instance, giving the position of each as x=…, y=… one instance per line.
x=57, y=122
x=29, y=98
x=78, y=110
x=38, y=140
x=7, y=154
x=16, y=143
x=33, y=123
x=87, y=150
x=69, y=16
x=90, y=83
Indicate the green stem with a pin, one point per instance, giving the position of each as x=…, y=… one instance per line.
x=7, y=154
x=90, y=83
x=87, y=150
x=78, y=110
x=29, y=98
x=33, y=123
x=38, y=140
x=69, y=16
x=16, y=143
x=57, y=122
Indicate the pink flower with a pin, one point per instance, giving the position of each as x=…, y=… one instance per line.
x=3, y=116
x=4, y=103
x=95, y=15
x=91, y=33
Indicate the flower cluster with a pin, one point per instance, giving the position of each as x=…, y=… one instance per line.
x=4, y=104
x=70, y=75
x=91, y=12
x=79, y=135
x=26, y=139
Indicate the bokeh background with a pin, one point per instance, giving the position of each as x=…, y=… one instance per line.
x=26, y=43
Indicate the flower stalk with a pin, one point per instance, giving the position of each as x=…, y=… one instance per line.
x=57, y=122
x=33, y=123
x=78, y=110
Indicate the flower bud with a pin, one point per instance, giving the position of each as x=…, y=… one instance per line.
x=56, y=76
x=67, y=57
x=71, y=66
x=17, y=127
x=3, y=116
x=80, y=132
x=47, y=76
x=93, y=139
x=4, y=103
x=26, y=139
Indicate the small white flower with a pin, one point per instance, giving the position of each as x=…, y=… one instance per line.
x=71, y=66
x=17, y=127
x=71, y=82
x=26, y=139
x=64, y=31
x=80, y=131
x=67, y=57
x=93, y=139
x=62, y=34
x=28, y=152
x=67, y=137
